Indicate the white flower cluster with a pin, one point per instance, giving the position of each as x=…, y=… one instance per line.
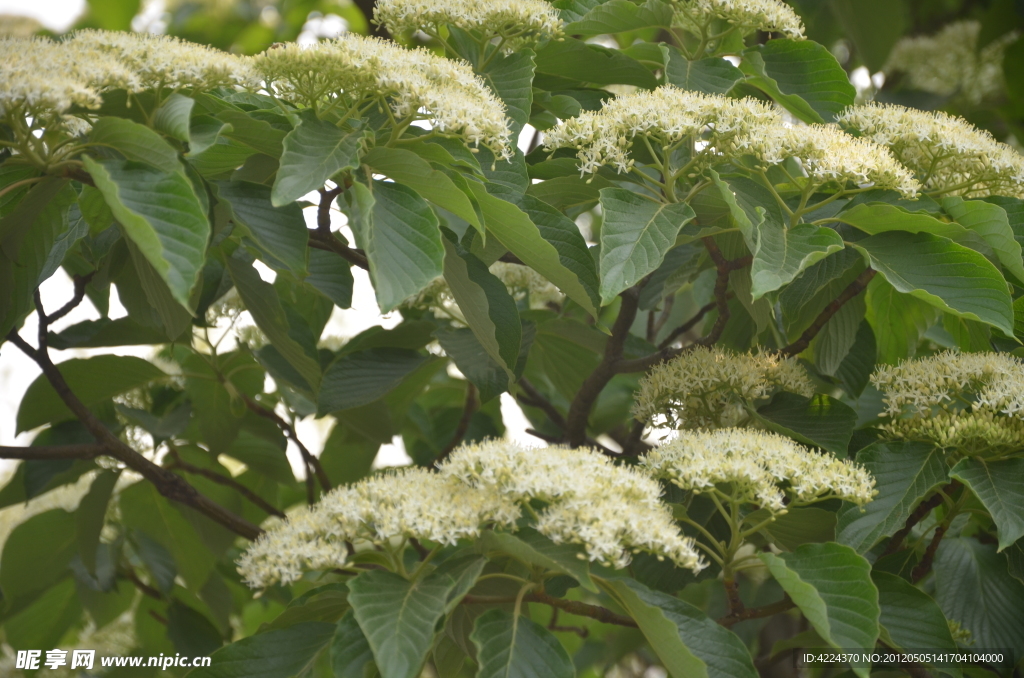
x=770, y=16
x=829, y=154
x=519, y=22
x=43, y=78
x=522, y=282
x=715, y=124
x=405, y=503
x=611, y=510
x=945, y=152
x=949, y=63
x=709, y=387
x=763, y=468
x=169, y=63
x=970, y=401
x=416, y=81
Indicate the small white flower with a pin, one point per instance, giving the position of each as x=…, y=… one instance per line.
x=519, y=22
x=770, y=16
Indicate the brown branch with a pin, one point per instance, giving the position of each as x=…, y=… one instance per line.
x=579, y=410
x=919, y=514
x=52, y=452
x=580, y=631
x=852, y=290
x=460, y=430
x=732, y=594
x=323, y=239
x=691, y=323
x=142, y=586
x=601, y=614
x=925, y=566
x=666, y=311
x=80, y=284
x=323, y=210
x=313, y=465
x=535, y=398
x=167, y=483
x=757, y=612
x=259, y=501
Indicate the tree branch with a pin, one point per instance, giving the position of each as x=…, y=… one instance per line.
x=313, y=466
x=323, y=239
x=52, y=452
x=169, y=484
x=460, y=430
x=579, y=410
x=601, y=614
x=691, y=323
x=534, y=398
x=80, y=284
x=757, y=612
x=852, y=290
x=919, y=514
x=179, y=463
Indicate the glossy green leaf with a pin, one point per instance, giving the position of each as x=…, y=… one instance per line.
x=831, y=584
x=905, y=474
x=879, y=217
x=409, y=169
x=331, y=276
x=401, y=237
x=819, y=421
x=262, y=301
x=939, y=272
x=489, y=376
x=713, y=75
x=898, y=320
x=174, y=117
x=782, y=254
x=910, y=619
x=314, y=152
x=533, y=548
x=258, y=134
x=510, y=77
x=280, y=231
x=513, y=229
x=398, y=617
x=797, y=527
x=92, y=380
x=351, y=655
x=635, y=235
x=517, y=647
x=687, y=642
x=973, y=586
x=1000, y=487
x=991, y=223
x=160, y=213
x=617, y=16
x=360, y=378
x=577, y=60
x=175, y=318
x=135, y=142
x=489, y=309
x=802, y=76
x=839, y=335
x=279, y=653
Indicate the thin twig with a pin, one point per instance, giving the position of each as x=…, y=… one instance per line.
x=691, y=323
x=460, y=430
x=313, y=465
x=85, y=451
x=330, y=243
x=757, y=612
x=80, y=284
x=536, y=399
x=179, y=463
x=852, y=290
x=601, y=614
x=919, y=514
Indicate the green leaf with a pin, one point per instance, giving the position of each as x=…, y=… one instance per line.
x=331, y=276
x=160, y=213
x=347, y=456
x=713, y=75
x=635, y=235
x=37, y=554
x=576, y=60
x=190, y=631
x=409, y=169
x=939, y=272
x=174, y=117
x=135, y=142
x=510, y=77
x=175, y=318
x=401, y=237
x=516, y=647
x=973, y=586
x=280, y=231
x=880, y=217
x=687, y=642
x=1000, y=487
x=802, y=76
x=204, y=132
x=262, y=301
x=831, y=584
x=898, y=320
x=259, y=135
x=819, y=421
x=90, y=515
x=991, y=223
x=398, y=617
x=314, y=152
x=533, y=548
x=839, y=335
x=262, y=455
x=747, y=216
x=489, y=376
x=360, y=378
x=513, y=229
x=92, y=380
x=797, y=527
x=905, y=474
x=874, y=26
x=618, y=16
x=782, y=254
x=489, y=309
x=144, y=509
x=280, y=653
x=911, y=619
x=351, y=655
x=45, y=621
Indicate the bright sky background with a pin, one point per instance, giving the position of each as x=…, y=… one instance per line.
x=57, y=15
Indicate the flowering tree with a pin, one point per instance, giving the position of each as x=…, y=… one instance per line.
x=765, y=335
